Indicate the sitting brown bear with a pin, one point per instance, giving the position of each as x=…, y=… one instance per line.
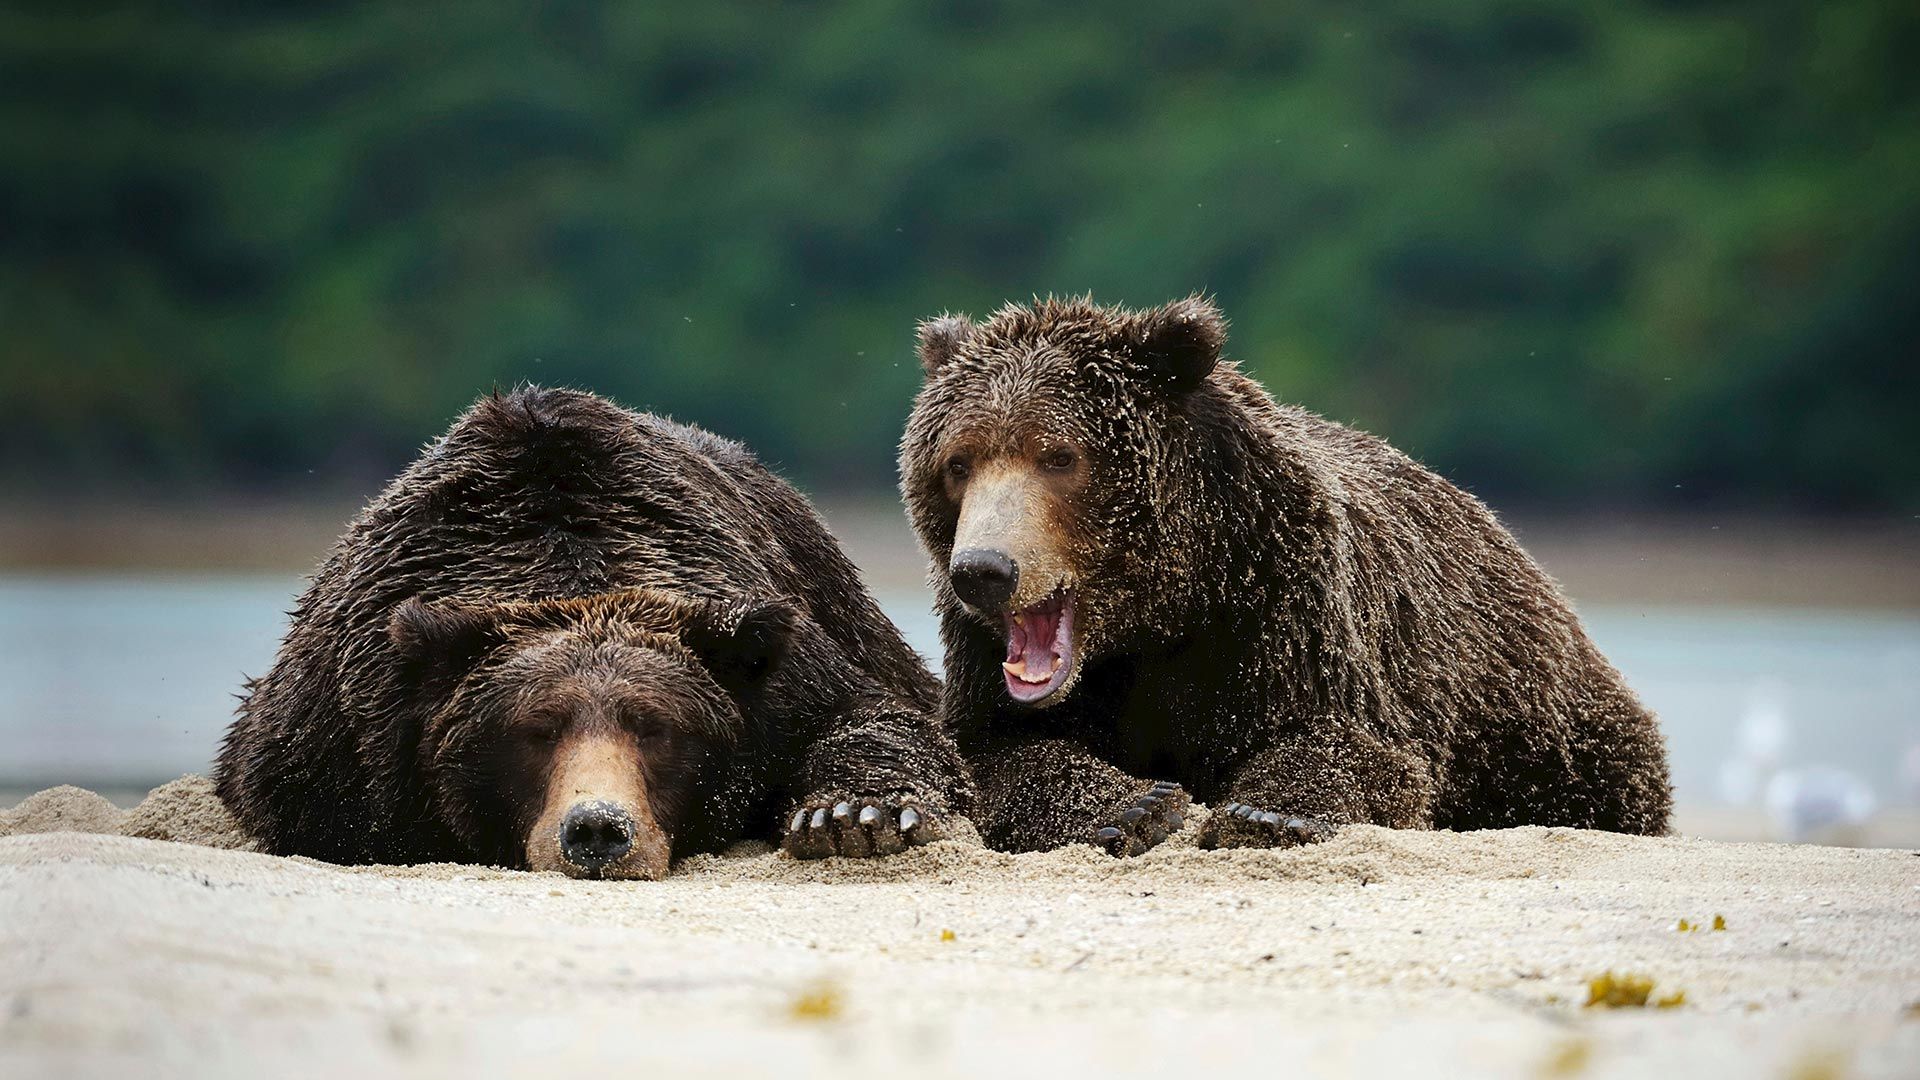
x=573, y=637
x=1144, y=567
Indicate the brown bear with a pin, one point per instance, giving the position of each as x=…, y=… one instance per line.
x=1146, y=568
x=574, y=637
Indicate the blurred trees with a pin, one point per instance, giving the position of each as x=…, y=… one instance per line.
x=1565, y=252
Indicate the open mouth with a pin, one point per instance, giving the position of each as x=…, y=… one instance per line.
x=1040, y=648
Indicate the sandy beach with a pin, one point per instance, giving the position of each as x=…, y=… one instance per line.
x=1378, y=953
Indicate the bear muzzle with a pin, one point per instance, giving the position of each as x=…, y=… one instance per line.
x=598, y=821
x=600, y=839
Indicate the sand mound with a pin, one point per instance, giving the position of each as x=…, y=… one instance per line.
x=1358, y=855
x=185, y=811
x=62, y=809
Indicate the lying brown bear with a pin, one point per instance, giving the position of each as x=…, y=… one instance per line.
x=1145, y=567
x=573, y=637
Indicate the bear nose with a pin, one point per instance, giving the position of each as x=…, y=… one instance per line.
x=594, y=834
x=983, y=578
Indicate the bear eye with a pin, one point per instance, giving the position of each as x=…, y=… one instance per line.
x=1057, y=460
x=649, y=729
x=958, y=468
x=542, y=729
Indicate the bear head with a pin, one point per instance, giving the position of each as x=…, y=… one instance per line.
x=576, y=734
x=1041, y=466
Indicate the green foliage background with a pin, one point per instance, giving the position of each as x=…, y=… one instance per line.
x=1567, y=252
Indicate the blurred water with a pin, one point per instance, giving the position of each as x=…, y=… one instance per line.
x=124, y=681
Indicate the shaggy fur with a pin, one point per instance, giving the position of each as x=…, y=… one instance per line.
x=554, y=555
x=1290, y=618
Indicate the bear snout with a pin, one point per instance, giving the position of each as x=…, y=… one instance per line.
x=1008, y=549
x=984, y=578
x=600, y=838
x=594, y=834
x=598, y=820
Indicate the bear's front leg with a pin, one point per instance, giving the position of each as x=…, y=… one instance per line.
x=1301, y=790
x=882, y=779
x=1040, y=794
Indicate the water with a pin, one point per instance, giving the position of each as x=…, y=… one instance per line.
x=124, y=681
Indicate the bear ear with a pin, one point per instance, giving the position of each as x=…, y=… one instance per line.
x=443, y=634
x=941, y=338
x=1180, y=342
x=741, y=644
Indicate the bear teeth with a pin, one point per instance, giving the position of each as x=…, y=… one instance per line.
x=1019, y=671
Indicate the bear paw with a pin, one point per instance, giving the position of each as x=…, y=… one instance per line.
x=1150, y=819
x=860, y=826
x=1240, y=825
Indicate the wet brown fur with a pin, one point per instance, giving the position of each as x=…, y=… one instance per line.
x=1273, y=609
x=556, y=569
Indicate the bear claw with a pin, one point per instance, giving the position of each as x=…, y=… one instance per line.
x=1239, y=825
x=881, y=825
x=1149, y=820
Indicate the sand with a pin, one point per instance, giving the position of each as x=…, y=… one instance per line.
x=1378, y=953
x=185, y=811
